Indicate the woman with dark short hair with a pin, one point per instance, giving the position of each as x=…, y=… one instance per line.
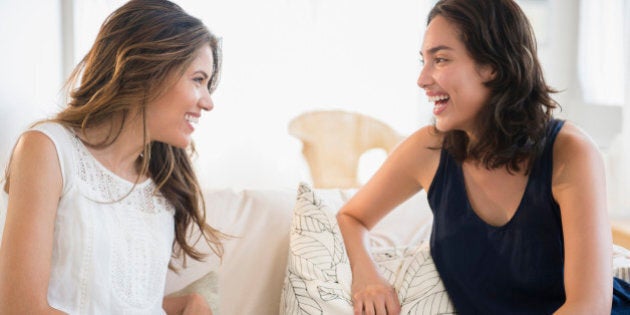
x=519, y=199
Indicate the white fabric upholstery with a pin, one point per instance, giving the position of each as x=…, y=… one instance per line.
x=252, y=272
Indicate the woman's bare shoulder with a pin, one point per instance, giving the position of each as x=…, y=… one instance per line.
x=574, y=152
x=427, y=136
x=571, y=141
x=422, y=151
x=34, y=157
x=35, y=145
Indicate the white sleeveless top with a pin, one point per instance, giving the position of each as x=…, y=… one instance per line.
x=109, y=257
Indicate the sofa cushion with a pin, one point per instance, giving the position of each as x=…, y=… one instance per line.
x=318, y=277
x=255, y=255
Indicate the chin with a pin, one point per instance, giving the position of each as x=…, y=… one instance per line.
x=180, y=146
x=447, y=124
x=181, y=143
x=441, y=125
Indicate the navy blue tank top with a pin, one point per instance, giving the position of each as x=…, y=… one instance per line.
x=517, y=268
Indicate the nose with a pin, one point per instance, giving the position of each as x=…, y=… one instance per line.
x=424, y=79
x=206, y=102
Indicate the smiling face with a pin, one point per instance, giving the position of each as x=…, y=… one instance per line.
x=171, y=117
x=451, y=78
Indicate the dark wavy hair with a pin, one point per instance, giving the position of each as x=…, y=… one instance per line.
x=140, y=51
x=512, y=125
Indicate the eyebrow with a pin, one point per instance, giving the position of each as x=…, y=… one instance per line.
x=202, y=73
x=435, y=49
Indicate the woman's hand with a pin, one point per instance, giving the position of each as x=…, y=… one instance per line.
x=196, y=305
x=374, y=297
x=191, y=304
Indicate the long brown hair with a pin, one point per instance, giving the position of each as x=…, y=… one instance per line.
x=138, y=51
x=512, y=124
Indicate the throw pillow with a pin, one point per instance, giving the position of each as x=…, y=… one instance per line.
x=318, y=277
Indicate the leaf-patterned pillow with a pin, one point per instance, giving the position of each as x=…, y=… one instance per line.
x=318, y=276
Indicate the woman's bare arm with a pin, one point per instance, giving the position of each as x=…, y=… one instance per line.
x=407, y=170
x=579, y=187
x=25, y=253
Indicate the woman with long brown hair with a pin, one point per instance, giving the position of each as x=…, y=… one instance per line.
x=100, y=198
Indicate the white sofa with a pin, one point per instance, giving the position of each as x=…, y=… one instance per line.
x=251, y=275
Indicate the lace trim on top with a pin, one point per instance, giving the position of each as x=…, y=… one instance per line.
x=140, y=238
x=103, y=186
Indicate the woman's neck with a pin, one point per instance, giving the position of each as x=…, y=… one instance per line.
x=123, y=154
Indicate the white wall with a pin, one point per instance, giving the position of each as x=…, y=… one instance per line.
x=282, y=58
x=30, y=79
x=560, y=62
x=618, y=157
